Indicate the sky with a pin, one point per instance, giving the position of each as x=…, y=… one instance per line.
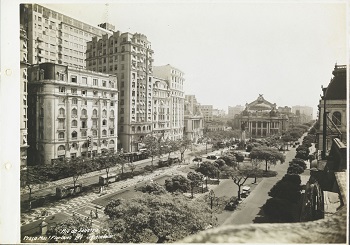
x=233, y=51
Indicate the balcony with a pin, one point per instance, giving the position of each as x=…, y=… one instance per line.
x=61, y=129
x=111, y=126
x=83, y=117
x=111, y=116
x=94, y=127
x=61, y=116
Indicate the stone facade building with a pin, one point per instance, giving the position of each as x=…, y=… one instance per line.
x=55, y=37
x=130, y=57
x=176, y=80
x=23, y=96
x=193, y=119
x=333, y=123
x=67, y=106
x=261, y=118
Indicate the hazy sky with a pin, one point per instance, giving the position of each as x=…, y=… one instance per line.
x=233, y=51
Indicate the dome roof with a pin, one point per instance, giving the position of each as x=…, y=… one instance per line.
x=336, y=89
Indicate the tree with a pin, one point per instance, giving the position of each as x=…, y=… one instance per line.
x=302, y=152
x=287, y=188
x=177, y=183
x=76, y=167
x=132, y=167
x=294, y=169
x=108, y=160
x=279, y=210
x=230, y=159
x=32, y=175
x=79, y=230
x=286, y=139
x=153, y=147
x=196, y=180
x=208, y=169
x=299, y=162
x=152, y=188
x=156, y=218
x=182, y=146
x=169, y=146
x=269, y=155
x=239, y=177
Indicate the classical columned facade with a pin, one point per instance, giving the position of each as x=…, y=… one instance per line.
x=260, y=118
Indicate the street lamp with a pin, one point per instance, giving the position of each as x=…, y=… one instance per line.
x=211, y=196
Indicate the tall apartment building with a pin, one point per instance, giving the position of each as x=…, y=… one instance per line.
x=234, y=110
x=129, y=56
x=161, y=108
x=23, y=95
x=207, y=111
x=193, y=119
x=175, y=77
x=66, y=106
x=55, y=37
x=218, y=113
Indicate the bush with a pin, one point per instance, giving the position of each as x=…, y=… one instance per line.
x=178, y=183
x=299, y=162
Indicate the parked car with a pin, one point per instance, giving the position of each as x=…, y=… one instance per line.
x=212, y=157
x=232, y=204
x=245, y=191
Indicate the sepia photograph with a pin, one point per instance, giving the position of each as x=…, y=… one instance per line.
x=174, y=121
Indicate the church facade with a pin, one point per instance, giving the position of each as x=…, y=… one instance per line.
x=261, y=118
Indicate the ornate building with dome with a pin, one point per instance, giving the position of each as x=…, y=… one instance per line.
x=261, y=118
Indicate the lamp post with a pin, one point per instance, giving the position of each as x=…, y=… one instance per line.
x=211, y=196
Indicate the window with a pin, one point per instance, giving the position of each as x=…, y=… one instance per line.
x=83, y=112
x=74, y=101
x=84, y=92
x=74, y=135
x=61, y=148
x=84, y=102
x=74, y=112
x=95, y=82
x=94, y=133
x=74, y=123
x=94, y=113
x=104, y=113
x=61, y=112
x=62, y=89
x=121, y=110
x=83, y=124
x=73, y=91
x=83, y=133
x=95, y=93
x=84, y=80
x=111, y=132
x=336, y=118
x=104, y=83
x=104, y=103
x=104, y=123
x=112, y=103
x=104, y=133
x=73, y=79
x=61, y=135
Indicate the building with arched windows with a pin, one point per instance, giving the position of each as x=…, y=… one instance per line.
x=332, y=107
x=66, y=107
x=261, y=118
